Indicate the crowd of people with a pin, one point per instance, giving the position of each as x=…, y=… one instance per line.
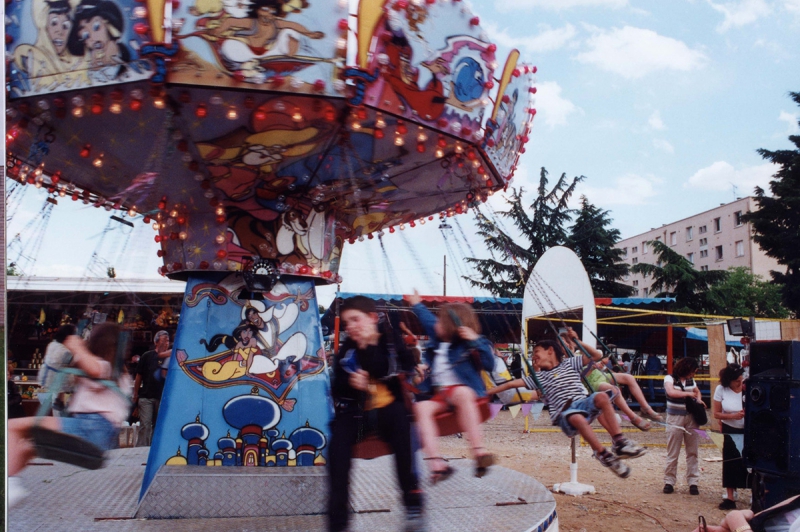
x=384, y=382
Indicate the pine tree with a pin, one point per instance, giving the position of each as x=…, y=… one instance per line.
x=507, y=271
x=776, y=224
x=593, y=241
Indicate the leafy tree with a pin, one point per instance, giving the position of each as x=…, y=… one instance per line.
x=674, y=276
x=593, y=241
x=12, y=269
x=746, y=294
x=507, y=271
x=776, y=222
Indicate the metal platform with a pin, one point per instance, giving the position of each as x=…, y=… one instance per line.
x=65, y=498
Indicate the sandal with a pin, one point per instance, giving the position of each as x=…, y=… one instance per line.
x=482, y=463
x=441, y=474
x=641, y=424
x=438, y=475
x=653, y=415
x=701, y=524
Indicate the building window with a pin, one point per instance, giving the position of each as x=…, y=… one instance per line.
x=690, y=256
x=635, y=249
x=658, y=239
x=636, y=283
x=703, y=253
x=627, y=277
x=718, y=252
x=737, y=216
x=703, y=241
x=703, y=268
x=702, y=229
x=717, y=225
x=689, y=233
x=635, y=260
x=624, y=252
x=644, y=292
x=740, y=248
x=644, y=247
x=673, y=238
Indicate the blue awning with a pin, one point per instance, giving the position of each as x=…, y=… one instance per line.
x=693, y=333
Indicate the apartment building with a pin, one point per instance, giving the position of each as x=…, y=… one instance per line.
x=716, y=239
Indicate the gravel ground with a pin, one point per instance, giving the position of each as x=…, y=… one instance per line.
x=636, y=503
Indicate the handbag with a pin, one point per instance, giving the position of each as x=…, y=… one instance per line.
x=695, y=408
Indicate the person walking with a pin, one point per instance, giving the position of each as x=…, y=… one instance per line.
x=728, y=408
x=148, y=386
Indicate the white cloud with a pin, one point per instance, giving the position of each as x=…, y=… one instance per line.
x=655, y=121
x=740, y=12
x=663, y=145
x=629, y=189
x=791, y=119
x=504, y=6
x=551, y=107
x=792, y=6
x=546, y=41
x=635, y=52
x=721, y=176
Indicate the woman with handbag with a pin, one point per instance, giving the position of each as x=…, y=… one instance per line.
x=679, y=387
x=728, y=408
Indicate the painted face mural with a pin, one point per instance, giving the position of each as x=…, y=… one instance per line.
x=73, y=45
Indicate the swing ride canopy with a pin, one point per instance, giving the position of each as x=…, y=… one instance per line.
x=273, y=129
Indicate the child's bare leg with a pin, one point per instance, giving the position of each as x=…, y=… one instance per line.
x=469, y=418
x=20, y=447
x=619, y=401
x=581, y=424
x=425, y=412
x=607, y=418
x=635, y=389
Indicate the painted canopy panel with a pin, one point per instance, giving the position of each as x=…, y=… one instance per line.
x=559, y=283
x=247, y=384
x=58, y=45
x=260, y=44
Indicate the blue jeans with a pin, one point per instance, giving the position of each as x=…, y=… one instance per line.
x=585, y=407
x=94, y=428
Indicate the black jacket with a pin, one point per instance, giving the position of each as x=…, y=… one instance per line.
x=375, y=360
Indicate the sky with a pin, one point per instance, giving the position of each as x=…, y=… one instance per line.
x=661, y=105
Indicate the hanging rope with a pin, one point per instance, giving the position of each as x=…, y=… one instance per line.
x=389, y=269
x=420, y=265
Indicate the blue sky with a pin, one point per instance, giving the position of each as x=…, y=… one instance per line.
x=660, y=104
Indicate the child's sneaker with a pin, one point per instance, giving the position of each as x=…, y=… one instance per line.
x=625, y=448
x=15, y=491
x=415, y=520
x=612, y=462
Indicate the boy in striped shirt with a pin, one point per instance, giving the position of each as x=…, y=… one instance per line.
x=558, y=379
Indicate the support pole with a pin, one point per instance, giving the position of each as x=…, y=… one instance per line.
x=444, y=277
x=573, y=487
x=669, y=349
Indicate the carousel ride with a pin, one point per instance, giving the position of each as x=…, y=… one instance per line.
x=258, y=138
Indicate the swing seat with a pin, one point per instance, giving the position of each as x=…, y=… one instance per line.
x=373, y=447
x=62, y=447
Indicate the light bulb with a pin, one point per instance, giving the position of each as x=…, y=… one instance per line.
x=77, y=112
x=115, y=108
x=399, y=141
x=158, y=102
x=232, y=113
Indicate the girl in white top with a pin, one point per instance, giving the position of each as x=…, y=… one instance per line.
x=95, y=412
x=728, y=408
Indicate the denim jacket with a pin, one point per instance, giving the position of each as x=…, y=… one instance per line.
x=458, y=354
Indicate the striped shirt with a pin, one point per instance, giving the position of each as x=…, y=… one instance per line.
x=560, y=384
x=678, y=406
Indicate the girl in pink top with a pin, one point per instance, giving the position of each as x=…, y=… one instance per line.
x=95, y=412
